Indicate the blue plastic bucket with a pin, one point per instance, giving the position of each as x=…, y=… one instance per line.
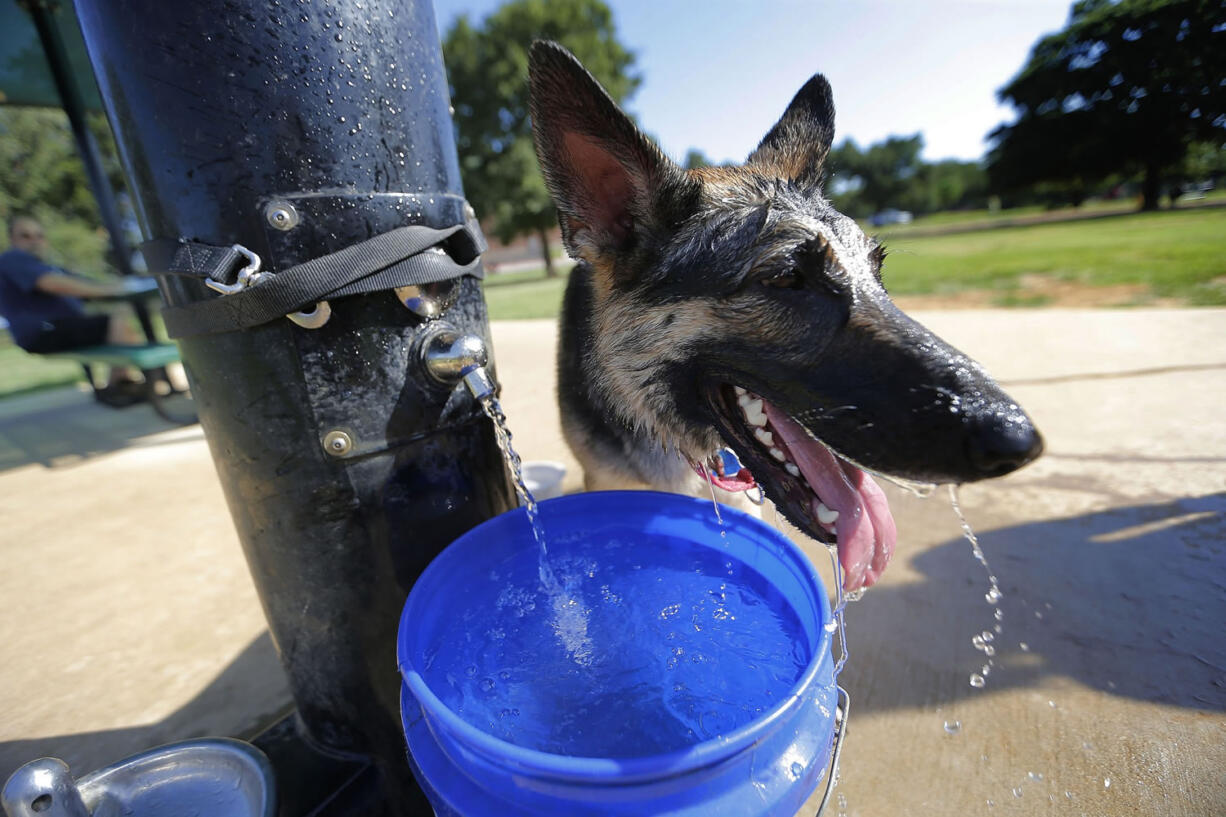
x=768, y=766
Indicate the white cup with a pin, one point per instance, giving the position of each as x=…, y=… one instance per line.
x=544, y=479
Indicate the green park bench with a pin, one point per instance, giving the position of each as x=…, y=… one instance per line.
x=168, y=400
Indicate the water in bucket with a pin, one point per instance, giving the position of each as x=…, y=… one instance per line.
x=646, y=651
x=684, y=638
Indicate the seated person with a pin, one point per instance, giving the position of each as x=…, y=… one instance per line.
x=42, y=306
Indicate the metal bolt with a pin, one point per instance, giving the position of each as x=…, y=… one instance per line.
x=281, y=215
x=338, y=443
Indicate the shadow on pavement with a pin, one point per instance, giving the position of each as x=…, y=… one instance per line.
x=245, y=697
x=1130, y=601
x=65, y=427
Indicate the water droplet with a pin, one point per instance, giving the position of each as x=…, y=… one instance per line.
x=487, y=684
x=1017, y=791
x=1035, y=775
x=797, y=770
x=977, y=680
x=470, y=671
x=1106, y=782
x=953, y=727
x=993, y=595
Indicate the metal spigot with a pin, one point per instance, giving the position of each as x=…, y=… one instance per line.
x=450, y=357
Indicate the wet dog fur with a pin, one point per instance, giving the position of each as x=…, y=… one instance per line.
x=691, y=283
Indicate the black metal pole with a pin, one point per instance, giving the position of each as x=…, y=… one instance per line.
x=43, y=12
x=298, y=128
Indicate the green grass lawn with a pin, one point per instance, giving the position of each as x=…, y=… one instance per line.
x=22, y=372
x=1179, y=256
x=1173, y=254
x=975, y=219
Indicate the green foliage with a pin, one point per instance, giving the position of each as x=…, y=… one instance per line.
x=487, y=67
x=949, y=184
x=39, y=168
x=41, y=174
x=1125, y=88
x=1203, y=161
x=695, y=158
x=892, y=174
x=875, y=178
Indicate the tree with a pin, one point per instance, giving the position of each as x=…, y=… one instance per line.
x=1126, y=88
x=871, y=180
x=695, y=158
x=487, y=67
x=41, y=174
x=39, y=166
x=949, y=184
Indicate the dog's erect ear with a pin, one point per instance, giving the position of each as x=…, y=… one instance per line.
x=797, y=146
x=605, y=176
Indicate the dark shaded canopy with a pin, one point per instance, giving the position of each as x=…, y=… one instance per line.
x=25, y=78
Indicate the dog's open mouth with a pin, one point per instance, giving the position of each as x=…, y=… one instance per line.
x=821, y=492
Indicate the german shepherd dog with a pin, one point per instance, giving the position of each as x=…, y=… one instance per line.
x=735, y=307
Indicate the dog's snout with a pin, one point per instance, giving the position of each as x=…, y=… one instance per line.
x=1002, y=442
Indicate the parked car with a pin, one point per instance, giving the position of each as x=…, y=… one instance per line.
x=891, y=216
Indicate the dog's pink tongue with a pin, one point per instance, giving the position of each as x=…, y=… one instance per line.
x=865, y=527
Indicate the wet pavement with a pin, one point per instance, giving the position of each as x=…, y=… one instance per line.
x=129, y=619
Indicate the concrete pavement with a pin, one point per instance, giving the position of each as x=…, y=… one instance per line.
x=129, y=618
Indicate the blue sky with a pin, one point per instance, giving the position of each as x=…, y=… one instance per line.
x=718, y=73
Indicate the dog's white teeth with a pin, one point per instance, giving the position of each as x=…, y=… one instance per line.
x=739, y=391
x=765, y=437
x=792, y=469
x=779, y=455
x=754, y=413
x=743, y=399
x=825, y=515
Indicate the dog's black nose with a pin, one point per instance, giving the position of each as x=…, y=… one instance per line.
x=1002, y=442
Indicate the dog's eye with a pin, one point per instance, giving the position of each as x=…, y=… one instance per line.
x=784, y=280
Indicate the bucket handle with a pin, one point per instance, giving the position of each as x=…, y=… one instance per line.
x=840, y=731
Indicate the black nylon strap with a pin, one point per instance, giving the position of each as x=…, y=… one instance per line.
x=405, y=255
x=197, y=260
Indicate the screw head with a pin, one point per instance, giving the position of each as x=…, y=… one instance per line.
x=338, y=443
x=281, y=215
